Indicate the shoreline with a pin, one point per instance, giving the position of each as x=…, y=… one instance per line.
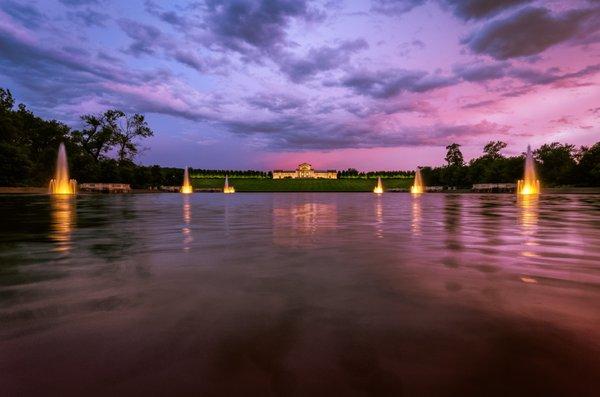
x=9, y=190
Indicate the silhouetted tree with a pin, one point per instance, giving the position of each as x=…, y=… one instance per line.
x=453, y=155
x=492, y=149
x=556, y=163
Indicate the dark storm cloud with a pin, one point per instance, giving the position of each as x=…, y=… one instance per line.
x=302, y=133
x=531, y=31
x=482, y=72
x=389, y=83
x=70, y=76
x=477, y=72
x=76, y=3
x=319, y=60
x=170, y=17
x=395, y=6
x=362, y=110
x=245, y=25
x=146, y=38
x=89, y=17
x=275, y=103
x=26, y=14
x=464, y=9
x=479, y=9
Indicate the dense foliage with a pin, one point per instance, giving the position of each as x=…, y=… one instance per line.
x=557, y=164
x=352, y=173
x=105, y=148
x=197, y=173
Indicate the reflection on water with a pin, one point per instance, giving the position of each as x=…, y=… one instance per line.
x=528, y=217
x=452, y=212
x=300, y=294
x=301, y=224
x=187, y=219
x=63, y=221
x=416, y=214
x=378, y=217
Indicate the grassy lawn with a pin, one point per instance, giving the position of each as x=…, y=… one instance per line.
x=301, y=185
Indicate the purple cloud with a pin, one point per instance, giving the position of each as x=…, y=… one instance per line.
x=389, y=83
x=531, y=31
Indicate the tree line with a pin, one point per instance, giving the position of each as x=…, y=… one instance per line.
x=557, y=164
x=352, y=173
x=252, y=174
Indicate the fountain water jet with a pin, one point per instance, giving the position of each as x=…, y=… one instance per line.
x=61, y=184
x=187, y=186
x=226, y=187
x=529, y=184
x=379, y=188
x=418, y=185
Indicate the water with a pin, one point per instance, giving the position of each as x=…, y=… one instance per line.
x=300, y=294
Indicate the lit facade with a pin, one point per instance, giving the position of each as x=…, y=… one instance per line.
x=305, y=170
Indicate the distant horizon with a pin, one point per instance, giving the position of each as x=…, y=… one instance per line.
x=259, y=85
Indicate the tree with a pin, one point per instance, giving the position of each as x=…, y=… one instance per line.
x=556, y=163
x=129, y=129
x=6, y=100
x=453, y=155
x=492, y=149
x=589, y=166
x=99, y=134
x=110, y=129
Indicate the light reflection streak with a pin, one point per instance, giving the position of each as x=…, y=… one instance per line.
x=528, y=217
x=378, y=218
x=187, y=219
x=63, y=221
x=298, y=224
x=416, y=215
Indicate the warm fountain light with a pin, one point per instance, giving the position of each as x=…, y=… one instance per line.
x=187, y=186
x=379, y=188
x=418, y=185
x=227, y=188
x=61, y=184
x=529, y=184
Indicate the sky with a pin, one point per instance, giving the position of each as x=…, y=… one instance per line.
x=378, y=84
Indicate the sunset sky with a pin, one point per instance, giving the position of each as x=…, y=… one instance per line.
x=378, y=84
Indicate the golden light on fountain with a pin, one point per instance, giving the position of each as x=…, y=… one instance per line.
x=61, y=184
x=187, y=186
x=226, y=188
x=418, y=185
x=379, y=188
x=529, y=184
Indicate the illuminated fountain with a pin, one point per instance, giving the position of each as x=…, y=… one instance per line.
x=379, y=188
x=529, y=184
x=61, y=184
x=418, y=185
x=227, y=188
x=187, y=186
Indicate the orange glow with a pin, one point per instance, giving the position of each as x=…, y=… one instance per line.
x=61, y=184
x=379, y=188
x=187, y=186
x=226, y=188
x=529, y=184
x=418, y=185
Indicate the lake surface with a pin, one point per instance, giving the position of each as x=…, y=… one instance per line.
x=300, y=294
